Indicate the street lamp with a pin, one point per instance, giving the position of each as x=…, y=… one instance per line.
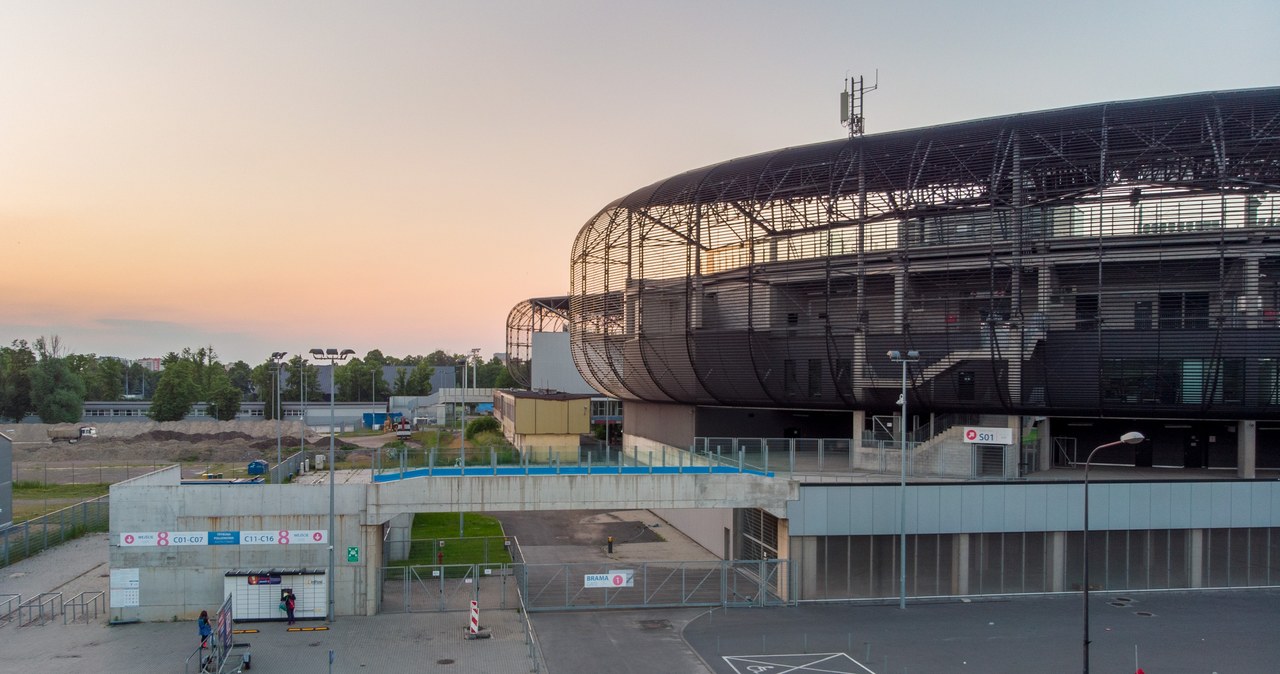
x=277, y=357
x=1130, y=438
x=302, y=404
x=334, y=356
x=900, y=357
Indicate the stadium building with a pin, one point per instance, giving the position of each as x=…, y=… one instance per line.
x=1064, y=276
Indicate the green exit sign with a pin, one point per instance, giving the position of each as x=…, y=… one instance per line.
x=353, y=555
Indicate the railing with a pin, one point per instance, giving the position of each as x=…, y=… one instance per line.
x=9, y=606
x=34, y=608
x=83, y=602
x=397, y=463
x=760, y=456
x=811, y=456
x=28, y=538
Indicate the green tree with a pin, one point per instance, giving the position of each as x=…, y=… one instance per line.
x=242, y=378
x=176, y=392
x=265, y=380
x=296, y=372
x=224, y=399
x=57, y=391
x=103, y=377
x=419, y=380
x=484, y=424
x=16, y=363
x=141, y=382
x=489, y=374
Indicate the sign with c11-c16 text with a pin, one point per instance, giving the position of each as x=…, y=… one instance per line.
x=178, y=538
x=988, y=436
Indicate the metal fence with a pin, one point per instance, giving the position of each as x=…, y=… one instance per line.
x=25, y=539
x=939, y=457
x=733, y=583
x=559, y=587
x=446, y=587
x=286, y=469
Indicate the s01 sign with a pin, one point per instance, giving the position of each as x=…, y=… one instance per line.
x=988, y=436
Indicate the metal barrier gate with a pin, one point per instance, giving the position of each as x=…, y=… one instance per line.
x=559, y=587
x=447, y=587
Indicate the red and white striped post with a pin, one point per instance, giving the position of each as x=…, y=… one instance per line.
x=474, y=628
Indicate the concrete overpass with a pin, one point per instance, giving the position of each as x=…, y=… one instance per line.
x=202, y=524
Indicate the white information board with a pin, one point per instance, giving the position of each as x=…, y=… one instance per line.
x=124, y=588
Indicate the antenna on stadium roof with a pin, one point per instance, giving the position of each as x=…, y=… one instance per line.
x=851, y=103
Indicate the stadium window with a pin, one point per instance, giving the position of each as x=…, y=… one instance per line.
x=815, y=377
x=790, y=380
x=1268, y=381
x=842, y=375
x=1086, y=313
x=1142, y=315
x=965, y=387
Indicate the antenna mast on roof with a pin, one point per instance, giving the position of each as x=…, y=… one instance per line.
x=851, y=103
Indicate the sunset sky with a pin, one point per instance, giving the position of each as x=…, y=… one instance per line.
x=277, y=175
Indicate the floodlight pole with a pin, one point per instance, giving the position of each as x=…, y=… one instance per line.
x=1130, y=438
x=334, y=356
x=277, y=357
x=900, y=357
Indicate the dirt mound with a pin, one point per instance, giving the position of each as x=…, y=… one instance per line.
x=184, y=441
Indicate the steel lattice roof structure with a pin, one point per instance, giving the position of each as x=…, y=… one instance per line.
x=1109, y=259
x=538, y=314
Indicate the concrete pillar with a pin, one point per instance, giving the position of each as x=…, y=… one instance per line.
x=1196, y=554
x=373, y=567
x=807, y=547
x=1013, y=458
x=1045, y=449
x=399, y=529
x=784, y=552
x=1246, y=448
x=960, y=565
x=1058, y=561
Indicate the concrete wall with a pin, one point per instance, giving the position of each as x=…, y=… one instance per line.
x=577, y=492
x=705, y=526
x=659, y=424
x=180, y=581
x=837, y=510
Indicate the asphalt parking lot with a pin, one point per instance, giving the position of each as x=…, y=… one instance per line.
x=1231, y=631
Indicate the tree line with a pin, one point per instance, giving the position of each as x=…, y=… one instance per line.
x=40, y=379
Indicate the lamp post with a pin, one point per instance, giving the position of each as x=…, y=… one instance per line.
x=334, y=356
x=904, y=358
x=1130, y=438
x=302, y=404
x=277, y=357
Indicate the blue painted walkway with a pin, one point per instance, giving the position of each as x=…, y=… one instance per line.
x=489, y=471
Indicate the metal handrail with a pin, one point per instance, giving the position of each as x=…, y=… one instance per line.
x=84, y=601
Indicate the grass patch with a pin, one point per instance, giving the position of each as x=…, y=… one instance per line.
x=482, y=541
x=31, y=489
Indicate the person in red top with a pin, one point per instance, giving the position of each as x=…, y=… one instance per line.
x=290, y=602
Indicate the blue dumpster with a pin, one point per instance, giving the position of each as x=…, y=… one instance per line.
x=258, y=467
